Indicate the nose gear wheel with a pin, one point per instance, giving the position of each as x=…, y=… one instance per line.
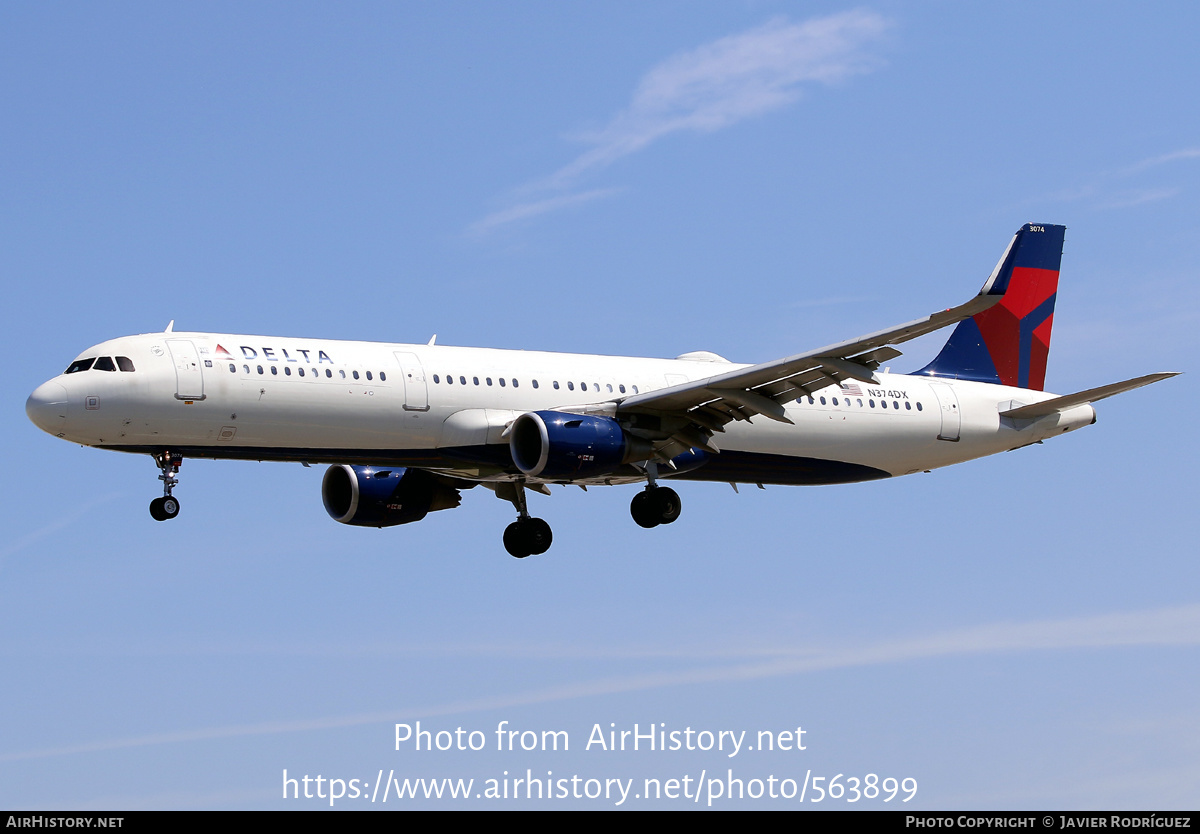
x=167, y=507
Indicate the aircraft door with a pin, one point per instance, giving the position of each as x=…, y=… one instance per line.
x=189, y=376
x=416, y=391
x=951, y=418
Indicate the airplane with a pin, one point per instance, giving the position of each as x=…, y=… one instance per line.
x=404, y=428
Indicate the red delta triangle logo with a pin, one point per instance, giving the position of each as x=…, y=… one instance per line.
x=222, y=352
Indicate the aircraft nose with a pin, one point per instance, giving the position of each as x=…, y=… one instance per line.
x=47, y=407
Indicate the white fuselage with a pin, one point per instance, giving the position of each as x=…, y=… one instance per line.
x=447, y=408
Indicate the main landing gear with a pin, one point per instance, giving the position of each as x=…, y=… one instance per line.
x=167, y=507
x=655, y=504
x=526, y=536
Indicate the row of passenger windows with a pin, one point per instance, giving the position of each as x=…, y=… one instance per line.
x=313, y=372
x=870, y=402
x=487, y=380
x=100, y=363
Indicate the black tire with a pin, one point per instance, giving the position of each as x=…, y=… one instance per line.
x=666, y=504
x=538, y=536
x=156, y=510
x=515, y=540
x=170, y=506
x=643, y=511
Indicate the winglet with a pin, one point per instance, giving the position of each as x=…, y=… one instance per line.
x=170, y=327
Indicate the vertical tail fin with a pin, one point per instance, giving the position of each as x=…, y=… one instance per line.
x=1007, y=343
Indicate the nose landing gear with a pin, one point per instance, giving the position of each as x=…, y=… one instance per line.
x=167, y=507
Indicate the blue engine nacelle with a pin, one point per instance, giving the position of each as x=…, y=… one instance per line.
x=369, y=496
x=566, y=447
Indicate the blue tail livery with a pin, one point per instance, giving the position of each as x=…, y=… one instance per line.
x=1007, y=343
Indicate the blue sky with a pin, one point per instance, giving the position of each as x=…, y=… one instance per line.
x=754, y=179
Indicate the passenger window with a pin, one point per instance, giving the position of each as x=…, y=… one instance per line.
x=328, y=373
x=462, y=380
x=274, y=370
x=610, y=387
x=871, y=403
x=475, y=379
x=354, y=374
x=570, y=385
x=635, y=390
x=822, y=401
x=300, y=371
x=382, y=376
x=535, y=385
x=488, y=380
x=860, y=402
x=232, y=368
x=514, y=383
x=621, y=388
x=501, y=382
x=449, y=379
x=260, y=370
x=287, y=370
x=835, y=402
x=919, y=407
x=908, y=406
x=368, y=374
x=556, y=385
x=343, y=373
x=125, y=364
x=435, y=378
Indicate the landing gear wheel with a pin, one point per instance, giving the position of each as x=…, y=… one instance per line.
x=643, y=512
x=165, y=508
x=527, y=537
x=654, y=506
x=538, y=535
x=667, y=504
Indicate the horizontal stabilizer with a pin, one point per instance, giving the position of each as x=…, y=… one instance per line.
x=1029, y=412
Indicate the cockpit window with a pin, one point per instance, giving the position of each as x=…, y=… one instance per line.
x=80, y=365
x=125, y=364
x=104, y=363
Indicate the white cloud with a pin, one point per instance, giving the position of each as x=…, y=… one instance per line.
x=1176, y=627
x=1100, y=191
x=522, y=211
x=712, y=87
x=732, y=79
x=1186, y=153
x=1136, y=197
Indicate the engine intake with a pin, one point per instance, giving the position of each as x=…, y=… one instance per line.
x=566, y=447
x=368, y=496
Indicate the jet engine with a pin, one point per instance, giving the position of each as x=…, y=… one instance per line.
x=369, y=496
x=566, y=447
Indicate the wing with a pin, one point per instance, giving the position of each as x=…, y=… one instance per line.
x=683, y=417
